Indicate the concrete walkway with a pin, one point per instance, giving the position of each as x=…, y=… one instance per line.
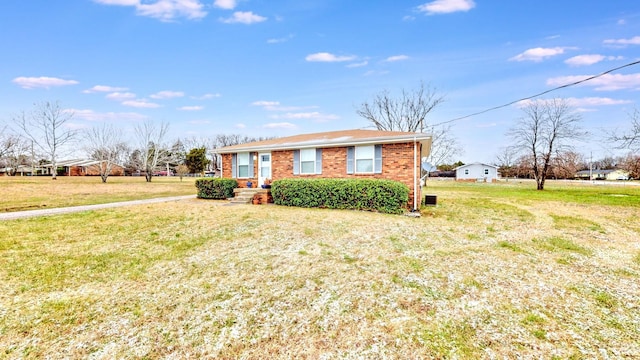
x=72, y=209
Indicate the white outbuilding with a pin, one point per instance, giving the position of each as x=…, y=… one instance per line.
x=478, y=172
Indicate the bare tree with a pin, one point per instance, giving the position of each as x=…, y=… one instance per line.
x=506, y=161
x=105, y=144
x=404, y=113
x=547, y=127
x=47, y=126
x=150, y=137
x=629, y=140
x=13, y=151
x=443, y=146
x=566, y=164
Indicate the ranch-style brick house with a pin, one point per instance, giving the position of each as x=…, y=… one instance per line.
x=391, y=155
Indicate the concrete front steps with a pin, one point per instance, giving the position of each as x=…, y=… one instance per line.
x=245, y=195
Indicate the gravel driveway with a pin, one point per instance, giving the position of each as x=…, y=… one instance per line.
x=72, y=209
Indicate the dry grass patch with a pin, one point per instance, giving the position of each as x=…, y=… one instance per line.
x=199, y=279
x=30, y=193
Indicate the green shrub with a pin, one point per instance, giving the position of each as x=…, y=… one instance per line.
x=215, y=188
x=385, y=196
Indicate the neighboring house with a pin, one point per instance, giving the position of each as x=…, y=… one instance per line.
x=477, y=172
x=83, y=168
x=391, y=155
x=597, y=174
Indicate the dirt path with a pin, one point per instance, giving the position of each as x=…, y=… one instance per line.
x=72, y=209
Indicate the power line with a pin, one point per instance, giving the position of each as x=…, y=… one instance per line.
x=539, y=94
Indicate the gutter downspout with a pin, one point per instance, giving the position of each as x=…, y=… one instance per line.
x=415, y=193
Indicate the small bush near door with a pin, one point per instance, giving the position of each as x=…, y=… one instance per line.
x=216, y=188
x=385, y=196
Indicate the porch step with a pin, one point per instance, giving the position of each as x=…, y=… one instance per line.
x=245, y=195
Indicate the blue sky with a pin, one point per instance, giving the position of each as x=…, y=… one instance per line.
x=284, y=67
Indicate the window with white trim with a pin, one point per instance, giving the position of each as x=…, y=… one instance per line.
x=364, y=159
x=486, y=171
x=466, y=171
x=308, y=161
x=243, y=165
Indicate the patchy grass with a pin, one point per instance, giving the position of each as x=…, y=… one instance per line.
x=40, y=192
x=478, y=276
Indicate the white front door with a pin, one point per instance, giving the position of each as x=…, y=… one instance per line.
x=264, y=167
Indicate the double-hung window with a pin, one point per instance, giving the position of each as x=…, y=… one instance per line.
x=307, y=161
x=243, y=165
x=365, y=159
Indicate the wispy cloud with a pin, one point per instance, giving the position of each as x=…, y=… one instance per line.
x=607, y=82
x=538, y=54
x=104, y=88
x=243, y=17
x=396, y=58
x=225, y=4
x=280, y=125
x=141, y=103
x=199, y=122
x=164, y=10
x=359, y=64
x=328, y=57
x=167, y=94
x=446, y=6
x=41, y=82
x=265, y=103
x=240, y=126
x=315, y=116
x=280, y=40
x=623, y=42
x=120, y=96
x=596, y=101
x=91, y=115
x=206, y=96
x=191, y=108
x=589, y=59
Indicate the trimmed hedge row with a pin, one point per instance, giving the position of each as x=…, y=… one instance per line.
x=215, y=188
x=384, y=196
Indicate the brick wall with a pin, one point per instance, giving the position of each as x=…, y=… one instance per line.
x=397, y=164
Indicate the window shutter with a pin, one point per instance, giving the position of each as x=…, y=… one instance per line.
x=351, y=154
x=377, y=161
x=318, y=161
x=296, y=162
x=234, y=165
x=251, y=162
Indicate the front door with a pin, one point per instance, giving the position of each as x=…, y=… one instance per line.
x=264, y=167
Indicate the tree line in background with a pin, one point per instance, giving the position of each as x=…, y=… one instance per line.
x=541, y=140
x=44, y=134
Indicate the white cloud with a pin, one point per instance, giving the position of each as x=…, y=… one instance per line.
x=316, y=116
x=104, y=88
x=167, y=95
x=41, y=82
x=596, y=101
x=244, y=17
x=590, y=59
x=360, y=64
x=91, y=115
x=280, y=125
x=225, y=4
x=165, y=10
x=607, y=82
x=280, y=40
x=538, y=54
x=396, y=58
x=623, y=42
x=241, y=126
x=265, y=103
x=206, y=96
x=622, y=22
x=446, y=6
x=328, y=57
x=141, y=103
x=119, y=96
x=408, y=18
x=582, y=60
x=199, y=122
x=191, y=108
